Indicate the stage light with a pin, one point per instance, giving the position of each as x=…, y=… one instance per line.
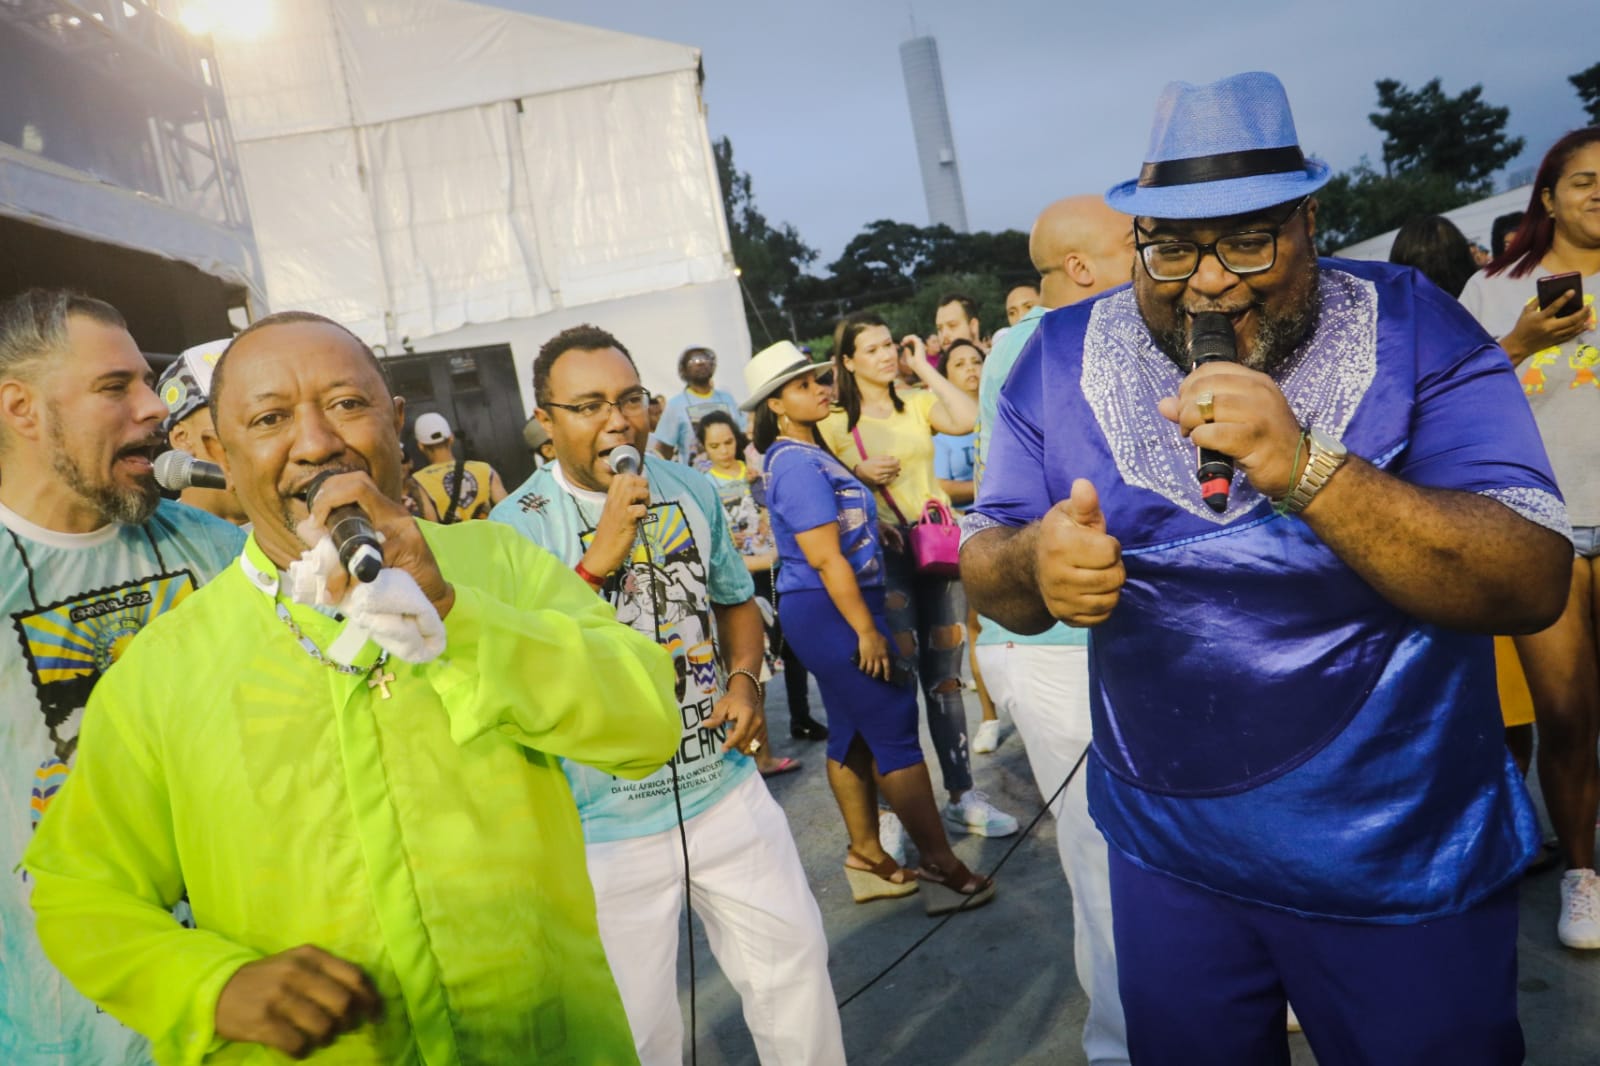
x=236, y=19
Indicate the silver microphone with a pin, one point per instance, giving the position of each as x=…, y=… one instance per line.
x=176, y=471
x=624, y=459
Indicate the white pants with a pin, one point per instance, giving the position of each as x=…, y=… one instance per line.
x=1045, y=690
x=750, y=891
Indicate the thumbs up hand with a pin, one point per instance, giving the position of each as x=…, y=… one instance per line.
x=1079, y=565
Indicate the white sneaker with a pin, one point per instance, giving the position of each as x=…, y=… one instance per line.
x=975, y=814
x=987, y=738
x=1579, y=926
x=892, y=836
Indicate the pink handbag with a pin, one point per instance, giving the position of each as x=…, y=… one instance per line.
x=935, y=538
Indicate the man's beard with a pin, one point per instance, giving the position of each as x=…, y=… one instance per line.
x=129, y=507
x=1277, y=335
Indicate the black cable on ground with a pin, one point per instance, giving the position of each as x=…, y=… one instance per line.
x=924, y=938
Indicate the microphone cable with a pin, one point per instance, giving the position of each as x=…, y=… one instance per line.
x=925, y=937
x=643, y=540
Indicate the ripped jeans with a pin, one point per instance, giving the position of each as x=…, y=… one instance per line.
x=928, y=617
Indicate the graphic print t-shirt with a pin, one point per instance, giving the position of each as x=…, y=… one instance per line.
x=683, y=562
x=1562, y=383
x=72, y=603
x=682, y=413
x=744, y=506
x=439, y=481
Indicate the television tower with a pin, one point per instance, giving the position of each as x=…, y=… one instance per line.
x=930, y=122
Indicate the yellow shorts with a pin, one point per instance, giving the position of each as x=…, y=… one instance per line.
x=1516, y=702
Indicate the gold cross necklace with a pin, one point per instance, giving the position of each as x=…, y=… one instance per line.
x=377, y=676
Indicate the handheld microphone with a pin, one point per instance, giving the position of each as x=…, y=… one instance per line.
x=176, y=471
x=352, y=534
x=624, y=459
x=1211, y=341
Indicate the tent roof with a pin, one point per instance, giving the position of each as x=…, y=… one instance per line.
x=341, y=63
x=1475, y=220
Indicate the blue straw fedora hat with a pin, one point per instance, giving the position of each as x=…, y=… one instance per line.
x=1227, y=148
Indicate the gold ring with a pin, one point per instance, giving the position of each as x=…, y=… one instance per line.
x=755, y=746
x=1207, y=405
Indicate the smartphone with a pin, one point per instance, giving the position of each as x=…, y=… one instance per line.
x=1552, y=286
x=899, y=670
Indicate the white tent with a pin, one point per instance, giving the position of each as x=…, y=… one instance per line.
x=437, y=174
x=1475, y=220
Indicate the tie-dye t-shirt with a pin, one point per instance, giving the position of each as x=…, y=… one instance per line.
x=73, y=602
x=683, y=562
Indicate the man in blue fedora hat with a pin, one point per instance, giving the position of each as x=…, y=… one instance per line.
x=1297, y=758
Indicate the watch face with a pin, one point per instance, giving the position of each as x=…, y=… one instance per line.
x=1327, y=443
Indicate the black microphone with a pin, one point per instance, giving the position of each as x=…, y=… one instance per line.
x=624, y=459
x=1211, y=341
x=176, y=471
x=352, y=534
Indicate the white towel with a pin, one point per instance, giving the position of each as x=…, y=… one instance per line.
x=392, y=611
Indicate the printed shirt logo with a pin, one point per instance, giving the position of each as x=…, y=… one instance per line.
x=664, y=585
x=69, y=644
x=468, y=508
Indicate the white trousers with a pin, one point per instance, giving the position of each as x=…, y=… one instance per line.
x=1044, y=689
x=750, y=892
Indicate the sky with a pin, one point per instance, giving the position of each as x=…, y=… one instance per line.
x=1052, y=99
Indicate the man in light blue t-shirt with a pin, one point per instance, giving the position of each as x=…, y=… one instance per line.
x=89, y=555
x=1081, y=248
x=675, y=437
x=655, y=544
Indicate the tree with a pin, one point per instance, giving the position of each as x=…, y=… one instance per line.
x=770, y=258
x=1587, y=82
x=1439, y=152
x=1459, y=137
x=1359, y=203
x=882, y=260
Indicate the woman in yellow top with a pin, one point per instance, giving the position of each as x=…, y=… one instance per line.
x=885, y=437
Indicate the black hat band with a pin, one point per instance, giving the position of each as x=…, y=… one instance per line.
x=1225, y=166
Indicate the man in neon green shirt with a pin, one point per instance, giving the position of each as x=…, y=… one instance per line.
x=383, y=857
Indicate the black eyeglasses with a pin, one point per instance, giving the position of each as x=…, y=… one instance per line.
x=1250, y=252
x=631, y=404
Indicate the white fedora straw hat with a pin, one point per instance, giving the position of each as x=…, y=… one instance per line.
x=771, y=369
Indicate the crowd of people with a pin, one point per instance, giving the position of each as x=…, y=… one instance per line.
x=455, y=814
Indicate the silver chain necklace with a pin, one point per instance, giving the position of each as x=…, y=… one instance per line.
x=377, y=677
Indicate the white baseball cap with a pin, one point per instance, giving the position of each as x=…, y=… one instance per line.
x=432, y=428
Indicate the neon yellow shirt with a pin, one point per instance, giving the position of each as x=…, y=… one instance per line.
x=908, y=436
x=429, y=838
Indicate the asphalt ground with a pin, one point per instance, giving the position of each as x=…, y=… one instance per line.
x=996, y=985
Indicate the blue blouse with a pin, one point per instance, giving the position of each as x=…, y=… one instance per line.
x=806, y=488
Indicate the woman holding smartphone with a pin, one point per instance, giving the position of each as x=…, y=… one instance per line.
x=831, y=604
x=1553, y=341
x=885, y=437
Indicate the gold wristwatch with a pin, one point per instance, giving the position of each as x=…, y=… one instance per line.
x=1327, y=455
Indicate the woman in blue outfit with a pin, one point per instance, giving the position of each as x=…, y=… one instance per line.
x=831, y=603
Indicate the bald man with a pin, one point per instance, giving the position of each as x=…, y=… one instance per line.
x=1081, y=248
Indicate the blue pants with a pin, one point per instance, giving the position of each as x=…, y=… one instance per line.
x=1204, y=980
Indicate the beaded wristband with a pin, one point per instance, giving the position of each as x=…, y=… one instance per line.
x=761, y=690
